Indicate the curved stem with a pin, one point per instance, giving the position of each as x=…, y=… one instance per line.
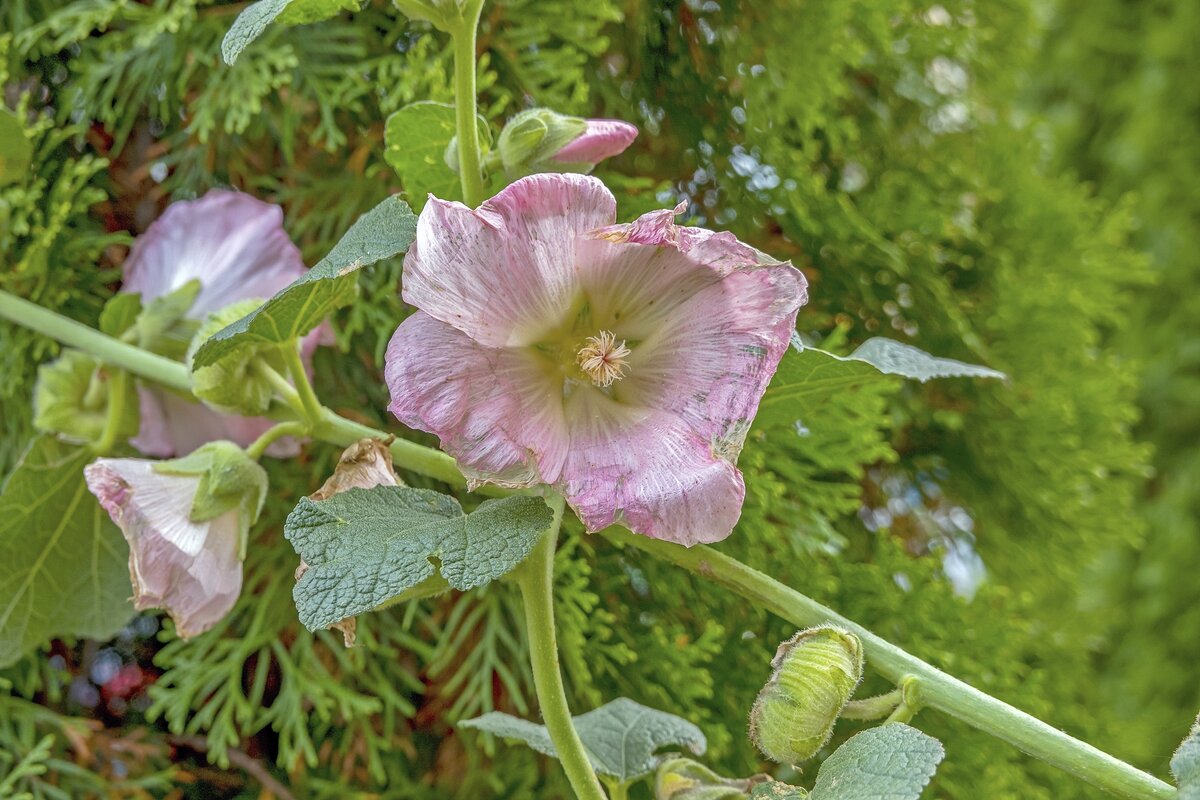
x=467, y=133
x=273, y=434
x=118, y=396
x=287, y=393
x=308, y=398
x=535, y=577
x=937, y=689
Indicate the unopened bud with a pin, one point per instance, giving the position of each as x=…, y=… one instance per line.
x=232, y=386
x=814, y=675
x=531, y=139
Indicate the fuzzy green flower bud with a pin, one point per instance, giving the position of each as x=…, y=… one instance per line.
x=231, y=386
x=71, y=399
x=228, y=479
x=814, y=675
x=531, y=139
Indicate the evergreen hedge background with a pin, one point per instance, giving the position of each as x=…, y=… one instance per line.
x=1009, y=182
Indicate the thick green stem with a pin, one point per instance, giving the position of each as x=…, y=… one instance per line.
x=118, y=396
x=273, y=434
x=937, y=689
x=467, y=133
x=107, y=349
x=536, y=578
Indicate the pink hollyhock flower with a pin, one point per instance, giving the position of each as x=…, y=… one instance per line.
x=604, y=138
x=621, y=364
x=236, y=247
x=186, y=562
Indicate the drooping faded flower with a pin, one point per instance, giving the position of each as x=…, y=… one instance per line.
x=621, y=364
x=236, y=247
x=186, y=522
x=541, y=140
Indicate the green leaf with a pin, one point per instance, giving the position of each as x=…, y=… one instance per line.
x=384, y=231
x=120, y=313
x=64, y=566
x=16, y=152
x=621, y=737
x=365, y=546
x=808, y=378
x=417, y=138
x=251, y=23
x=897, y=358
x=891, y=762
x=1185, y=765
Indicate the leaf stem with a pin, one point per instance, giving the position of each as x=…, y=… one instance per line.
x=463, y=36
x=118, y=396
x=280, y=384
x=535, y=577
x=308, y=398
x=937, y=689
x=274, y=433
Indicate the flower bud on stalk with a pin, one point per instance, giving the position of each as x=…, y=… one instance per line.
x=186, y=521
x=814, y=675
x=541, y=140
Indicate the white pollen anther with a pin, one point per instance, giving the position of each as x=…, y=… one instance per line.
x=602, y=357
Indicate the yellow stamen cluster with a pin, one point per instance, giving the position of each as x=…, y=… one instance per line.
x=602, y=358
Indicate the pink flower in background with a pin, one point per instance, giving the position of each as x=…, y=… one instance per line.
x=621, y=364
x=604, y=138
x=193, y=569
x=236, y=247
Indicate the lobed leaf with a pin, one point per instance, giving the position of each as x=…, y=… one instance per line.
x=363, y=547
x=64, y=566
x=384, y=231
x=621, y=737
x=417, y=138
x=251, y=23
x=891, y=762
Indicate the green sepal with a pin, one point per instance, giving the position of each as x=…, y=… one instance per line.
x=532, y=137
x=231, y=385
x=163, y=327
x=229, y=479
x=71, y=398
x=120, y=313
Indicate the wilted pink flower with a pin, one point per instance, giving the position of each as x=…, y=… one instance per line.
x=604, y=138
x=621, y=364
x=191, y=569
x=236, y=247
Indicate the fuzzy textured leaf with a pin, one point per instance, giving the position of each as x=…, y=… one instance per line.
x=621, y=737
x=897, y=358
x=251, y=23
x=365, y=546
x=417, y=138
x=64, y=566
x=891, y=762
x=808, y=377
x=384, y=231
x=1185, y=765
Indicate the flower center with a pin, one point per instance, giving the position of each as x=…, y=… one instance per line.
x=602, y=358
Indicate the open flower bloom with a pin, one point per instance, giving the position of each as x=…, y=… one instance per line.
x=192, y=569
x=621, y=364
x=236, y=247
x=604, y=138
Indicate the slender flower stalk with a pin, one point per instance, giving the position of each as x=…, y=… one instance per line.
x=469, y=169
x=938, y=690
x=535, y=577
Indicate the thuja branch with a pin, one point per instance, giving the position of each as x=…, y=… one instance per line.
x=938, y=690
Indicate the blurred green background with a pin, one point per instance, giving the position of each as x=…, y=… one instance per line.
x=1009, y=182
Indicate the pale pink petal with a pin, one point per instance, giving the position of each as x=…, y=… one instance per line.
x=191, y=569
x=604, y=138
x=234, y=244
x=506, y=273
x=497, y=411
x=174, y=426
x=647, y=470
